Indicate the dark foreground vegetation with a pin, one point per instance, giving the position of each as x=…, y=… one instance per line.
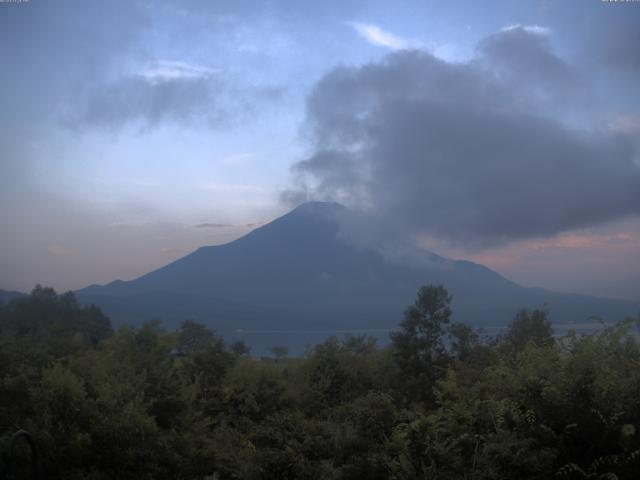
x=440, y=402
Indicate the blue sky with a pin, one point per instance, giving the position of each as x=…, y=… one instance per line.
x=127, y=127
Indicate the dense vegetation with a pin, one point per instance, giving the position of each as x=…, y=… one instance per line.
x=440, y=402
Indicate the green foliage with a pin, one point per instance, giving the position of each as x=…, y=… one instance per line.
x=439, y=402
x=194, y=337
x=463, y=340
x=44, y=315
x=528, y=327
x=280, y=352
x=418, y=346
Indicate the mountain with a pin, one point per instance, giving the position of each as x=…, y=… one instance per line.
x=6, y=296
x=297, y=272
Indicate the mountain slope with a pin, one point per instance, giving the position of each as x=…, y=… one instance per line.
x=297, y=271
x=6, y=296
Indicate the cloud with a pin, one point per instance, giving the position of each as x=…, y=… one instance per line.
x=213, y=225
x=598, y=260
x=382, y=38
x=169, y=92
x=523, y=57
x=478, y=153
x=68, y=47
x=109, y=65
x=256, y=224
x=167, y=95
x=168, y=70
x=581, y=240
x=535, y=29
x=56, y=250
x=379, y=37
x=616, y=44
x=628, y=124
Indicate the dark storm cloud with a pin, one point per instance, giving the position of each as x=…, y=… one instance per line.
x=472, y=152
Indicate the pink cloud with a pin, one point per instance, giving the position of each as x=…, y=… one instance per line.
x=600, y=260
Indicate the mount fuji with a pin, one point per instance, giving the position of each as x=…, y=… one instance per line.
x=300, y=273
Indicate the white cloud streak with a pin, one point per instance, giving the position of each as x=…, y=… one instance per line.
x=535, y=29
x=377, y=36
x=170, y=70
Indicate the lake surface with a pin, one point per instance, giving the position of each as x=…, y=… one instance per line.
x=299, y=342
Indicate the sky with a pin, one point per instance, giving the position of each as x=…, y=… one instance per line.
x=507, y=133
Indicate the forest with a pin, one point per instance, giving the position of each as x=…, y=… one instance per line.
x=441, y=401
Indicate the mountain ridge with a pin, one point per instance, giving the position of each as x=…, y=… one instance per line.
x=8, y=295
x=298, y=271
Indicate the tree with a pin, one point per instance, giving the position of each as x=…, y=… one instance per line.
x=60, y=319
x=239, y=348
x=462, y=340
x=194, y=337
x=419, y=349
x=280, y=352
x=527, y=327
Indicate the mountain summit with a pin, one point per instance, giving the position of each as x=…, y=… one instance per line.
x=299, y=272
